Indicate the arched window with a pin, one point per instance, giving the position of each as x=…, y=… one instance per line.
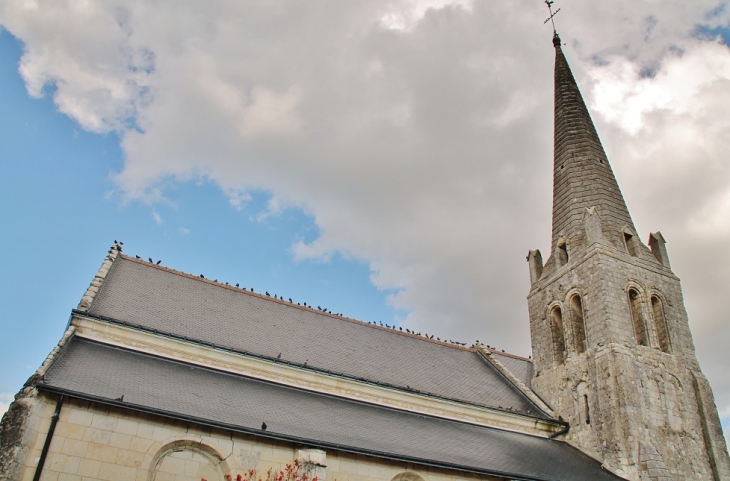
x=637, y=317
x=579, y=328
x=407, y=476
x=556, y=325
x=661, y=324
x=187, y=461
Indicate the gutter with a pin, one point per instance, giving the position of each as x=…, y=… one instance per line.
x=560, y=433
x=292, y=439
x=547, y=417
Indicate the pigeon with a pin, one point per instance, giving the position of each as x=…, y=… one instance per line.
x=138, y=257
x=252, y=289
x=263, y=426
x=290, y=300
x=236, y=284
x=408, y=331
x=158, y=262
x=267, y=293
x=279, y=356
x=151, y=261
x=400, y=328
x=202, y=276
x=120, y=398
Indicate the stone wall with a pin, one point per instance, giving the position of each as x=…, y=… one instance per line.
x=96, y=442
x=620, y=394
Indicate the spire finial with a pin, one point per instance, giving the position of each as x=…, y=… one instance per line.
x=551, y=18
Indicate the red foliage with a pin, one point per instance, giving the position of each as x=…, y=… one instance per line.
x=290, y=473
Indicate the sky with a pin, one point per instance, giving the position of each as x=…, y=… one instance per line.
x=387, y=159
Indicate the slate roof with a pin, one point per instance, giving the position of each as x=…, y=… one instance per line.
x=102, y=373
x=157, y=298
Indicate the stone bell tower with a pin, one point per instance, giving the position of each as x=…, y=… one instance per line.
x=611, y=343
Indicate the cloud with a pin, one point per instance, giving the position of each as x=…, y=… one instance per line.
x=5, y=400
x=157, y=217
x=417, y=135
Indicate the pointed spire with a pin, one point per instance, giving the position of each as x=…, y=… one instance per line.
x=582, y=176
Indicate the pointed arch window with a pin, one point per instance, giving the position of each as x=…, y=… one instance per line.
x=579, y=328
x=661, y=323
x=556, y=326
x=637, y=317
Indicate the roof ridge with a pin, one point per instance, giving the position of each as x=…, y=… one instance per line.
x=289, y=304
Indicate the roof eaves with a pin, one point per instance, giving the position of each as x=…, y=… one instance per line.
x=545, y=418
x=283, y=437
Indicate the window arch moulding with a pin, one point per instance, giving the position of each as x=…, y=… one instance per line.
x=577, y=321
x=557, y=331
x=638, y=318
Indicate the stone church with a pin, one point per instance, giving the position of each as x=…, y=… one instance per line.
x=164, y=376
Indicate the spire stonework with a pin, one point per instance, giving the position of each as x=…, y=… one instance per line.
x=582, y=174
x=613, y=352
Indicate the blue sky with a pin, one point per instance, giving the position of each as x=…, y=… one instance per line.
x=407, y=145
x=60, y=212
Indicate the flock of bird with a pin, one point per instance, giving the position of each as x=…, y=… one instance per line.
x=321, y=309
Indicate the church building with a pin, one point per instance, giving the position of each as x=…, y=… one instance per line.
x=166, y=376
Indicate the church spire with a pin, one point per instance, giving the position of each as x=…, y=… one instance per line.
x=582, y=176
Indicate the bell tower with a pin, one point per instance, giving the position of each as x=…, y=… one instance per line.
x=613, y=352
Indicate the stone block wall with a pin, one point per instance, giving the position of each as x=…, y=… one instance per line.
x=97, y=442
x=630, y=393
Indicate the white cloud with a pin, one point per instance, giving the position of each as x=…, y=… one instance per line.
x=418, y=135
x=156, y=217
x=5, y=400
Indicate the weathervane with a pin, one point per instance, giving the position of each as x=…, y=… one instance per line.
x=549, y=4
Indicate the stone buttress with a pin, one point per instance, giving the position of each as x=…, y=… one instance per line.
x=611, y=342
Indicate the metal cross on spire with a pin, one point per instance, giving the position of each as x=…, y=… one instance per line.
x=549, y=4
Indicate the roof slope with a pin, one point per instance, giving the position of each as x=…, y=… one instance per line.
x=157, y=298
x=99, y=372
x=582, y=176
